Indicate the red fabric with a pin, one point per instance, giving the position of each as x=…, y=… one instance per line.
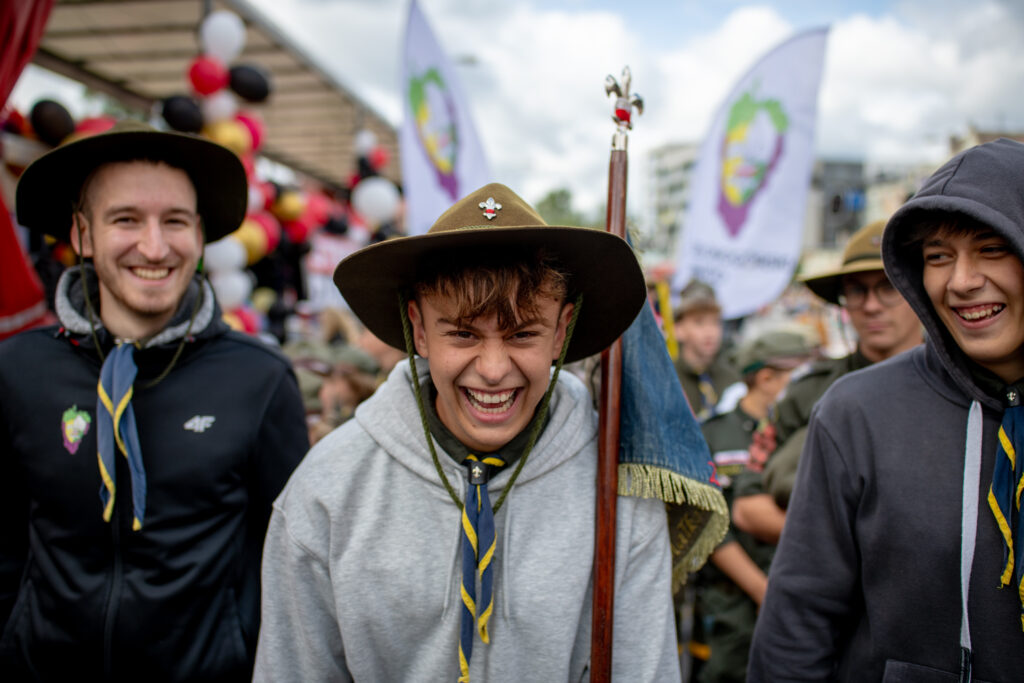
x=22, y=301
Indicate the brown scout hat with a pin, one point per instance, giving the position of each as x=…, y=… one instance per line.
x=778, y=349
x=862, y=253
x=601, y=266
x=697, y=295
x=50, y=186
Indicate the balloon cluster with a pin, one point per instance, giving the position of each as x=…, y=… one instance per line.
x=375, y=199
x=212, y=109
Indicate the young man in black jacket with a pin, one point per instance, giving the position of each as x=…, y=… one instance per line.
x=143, y=441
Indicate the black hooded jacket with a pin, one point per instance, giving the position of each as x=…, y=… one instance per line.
x=178, y=600
x=867, y=583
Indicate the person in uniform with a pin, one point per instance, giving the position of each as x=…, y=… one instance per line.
x=704, y=371
x=731, y=586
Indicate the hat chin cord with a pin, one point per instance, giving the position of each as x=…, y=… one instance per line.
x=542, y=408
x=92, y=315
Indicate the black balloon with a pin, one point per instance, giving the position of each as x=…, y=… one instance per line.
x=250, y=82
x=182, y=113
x=51, y=122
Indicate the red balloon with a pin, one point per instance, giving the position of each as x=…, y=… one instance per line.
x=94, y=125
x=318, y=208
x=271, y=226
x=207, y=75
x=379, y=157
x=298, y=230
x=255, y=125
x=250, y=167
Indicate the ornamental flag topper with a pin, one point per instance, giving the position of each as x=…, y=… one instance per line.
x=625, y=102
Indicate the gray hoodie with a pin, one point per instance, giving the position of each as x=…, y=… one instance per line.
x=362, y=559
x=888, y=567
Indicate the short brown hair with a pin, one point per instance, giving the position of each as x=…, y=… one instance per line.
x=482, y=284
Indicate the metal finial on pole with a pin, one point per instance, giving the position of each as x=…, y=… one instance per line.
x=625, y=102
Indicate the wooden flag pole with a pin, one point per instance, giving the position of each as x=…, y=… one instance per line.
x=608, y=412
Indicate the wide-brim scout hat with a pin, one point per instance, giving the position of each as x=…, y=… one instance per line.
x=778, y=349
x=862, y=253
x=49, y=188
x=601, y=266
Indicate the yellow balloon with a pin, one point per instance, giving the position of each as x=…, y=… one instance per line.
x=233, y=321
x=231, y=134
x=289, y=205
x=253, y=238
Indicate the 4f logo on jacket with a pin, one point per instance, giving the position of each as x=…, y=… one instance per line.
x=199, y=423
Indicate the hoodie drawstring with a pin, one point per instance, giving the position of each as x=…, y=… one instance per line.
x=969, y=529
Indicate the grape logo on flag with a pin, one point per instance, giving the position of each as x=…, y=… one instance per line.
x=751, y=149
x=433, y=112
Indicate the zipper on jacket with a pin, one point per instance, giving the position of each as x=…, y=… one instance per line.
x=114, y=595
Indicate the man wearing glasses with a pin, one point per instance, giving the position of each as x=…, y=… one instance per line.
x=885, y=326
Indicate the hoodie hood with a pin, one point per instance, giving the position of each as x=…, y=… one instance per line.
x=72, y=312
x=985, y=185
x=571, y=427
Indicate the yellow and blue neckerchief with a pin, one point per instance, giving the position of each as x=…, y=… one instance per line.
x=478, y=543
x=1004, y=495
x=116, y=431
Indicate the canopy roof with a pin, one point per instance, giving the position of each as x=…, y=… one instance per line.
x=138, y=51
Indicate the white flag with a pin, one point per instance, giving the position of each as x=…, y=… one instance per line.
x=743, y=228
x=442, y=160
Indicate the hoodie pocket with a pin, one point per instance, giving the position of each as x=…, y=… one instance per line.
x=905, y=672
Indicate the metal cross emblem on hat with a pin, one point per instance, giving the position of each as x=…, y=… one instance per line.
x=490, y=208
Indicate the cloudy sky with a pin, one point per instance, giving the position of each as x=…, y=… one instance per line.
x=900, y=77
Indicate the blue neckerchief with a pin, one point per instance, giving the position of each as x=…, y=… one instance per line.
x=116, y=431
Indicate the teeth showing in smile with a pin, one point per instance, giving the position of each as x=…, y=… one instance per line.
x=151, y=273
x=491, y=403
x=980, y=312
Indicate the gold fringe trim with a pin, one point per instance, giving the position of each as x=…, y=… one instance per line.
x=698, y=513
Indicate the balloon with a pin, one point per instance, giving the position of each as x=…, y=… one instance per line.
x=318, y=208
x=379, y=158
x=222, y=35
x=207, y=75
x=256, y=199
x=298, y=230
x=375, y=199
x=270, y=225
x=182, y=113
x=365, y=141
x=218, y=107
x=263, y=298
x=51, y=122
x=255, y=125
x=289, y=205
x=249, y=82
x=253, y=238
x=92, y=126
x=230, y=134
x=226, y=253
x=232, y=288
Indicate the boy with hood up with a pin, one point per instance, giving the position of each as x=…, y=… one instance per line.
x=388, y=558
x=901, y=555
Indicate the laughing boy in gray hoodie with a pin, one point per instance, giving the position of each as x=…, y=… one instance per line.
x=446, y=532
x=901, y=555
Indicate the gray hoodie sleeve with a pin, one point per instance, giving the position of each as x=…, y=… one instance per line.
x=814, y=577
x=645, y=631
x=299, y=637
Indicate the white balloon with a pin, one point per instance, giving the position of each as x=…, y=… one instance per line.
x=222, y=35
x=232, y=288
x=256, y=198
x=219, y=106
x=365, y=141
x=225, y=254
x=375, y=199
